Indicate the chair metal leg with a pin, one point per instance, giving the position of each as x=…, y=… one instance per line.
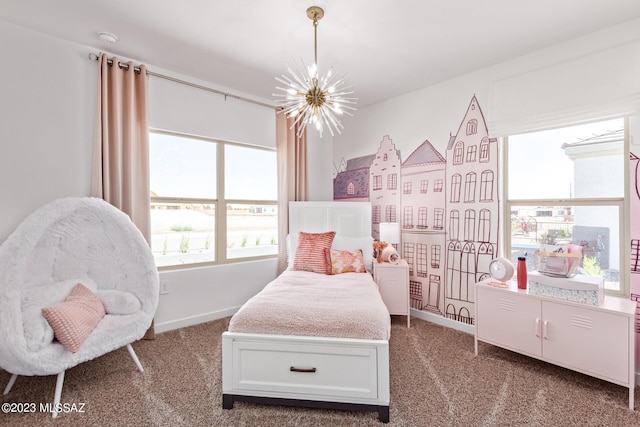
x=56, y=399
x=10, y=384
x=135, y=358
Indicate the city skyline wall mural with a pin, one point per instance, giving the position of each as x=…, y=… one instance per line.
x=447, y=206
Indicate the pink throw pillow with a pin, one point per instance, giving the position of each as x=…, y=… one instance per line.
x=347, y=262
x=310, y=253
x=74, y=319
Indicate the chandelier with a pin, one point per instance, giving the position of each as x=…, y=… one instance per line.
x=310, y=98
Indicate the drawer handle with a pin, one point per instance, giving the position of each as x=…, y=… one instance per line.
x=307, y=370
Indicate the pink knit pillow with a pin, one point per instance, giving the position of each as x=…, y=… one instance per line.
x=347, y=261
x=310, y=253
x=74, y=319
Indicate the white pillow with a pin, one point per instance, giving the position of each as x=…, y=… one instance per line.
x=345, y=243
x=119, y=302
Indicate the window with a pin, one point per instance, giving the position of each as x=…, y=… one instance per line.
x=472, y=152
x=469, y=225
x=454, y=224
x=391, y=213
x=437, y=185
x=470, y=187
x=406, y=188
x=484, y=150
x=392, y=181
x=424, y=186
x=407, y=217
x=435, y=256
x=422, y=218
x=456, y=179
x=211, y=201
x=377, y=182
x=457, y=153
x=486, y=186
x=421, y=261
x=438, y=218
x=351, y=189
x=581, y=202
x=472, y=127
x=376, y=214
x=407, y=254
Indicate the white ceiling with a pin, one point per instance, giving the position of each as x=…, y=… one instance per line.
x=387, y=47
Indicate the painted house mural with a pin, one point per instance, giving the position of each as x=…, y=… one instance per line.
x=447, y=208
x=384, y=185
x=471, y=211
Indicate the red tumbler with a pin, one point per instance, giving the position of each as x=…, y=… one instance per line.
x=522, y=272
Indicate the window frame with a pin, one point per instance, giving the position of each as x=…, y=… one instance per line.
x=220, y=203
x=622, y=203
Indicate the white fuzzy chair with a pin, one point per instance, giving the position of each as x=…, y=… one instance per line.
x=71, y=240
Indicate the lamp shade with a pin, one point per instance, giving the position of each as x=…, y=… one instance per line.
x=390, y=232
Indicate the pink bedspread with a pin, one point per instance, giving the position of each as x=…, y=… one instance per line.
x=303, y=303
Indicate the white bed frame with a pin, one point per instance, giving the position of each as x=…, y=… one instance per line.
x=321, y=372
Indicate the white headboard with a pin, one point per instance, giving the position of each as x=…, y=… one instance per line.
x=348, y=219
x=352, y=219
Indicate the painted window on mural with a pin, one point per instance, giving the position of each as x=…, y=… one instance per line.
x=392, y=181
x=578, y=200
x=406, y=188
x=390, y=213
x=435, y=256
x=458, y=152
x=377, y=182
x=421, y=260
x=351, y=189
x=407, y=254
x=424, y=186
x=486, y=186
x=484, y=150
x=438, y=218
x=469, y=224
x=472, y=151
x=456, y=181
x=484, y=225
x=454, y=224
x=376, y=215
x=422, y=218
x=470, y=187
x=186, y=228
x=437, y=185
x=407, y=217
x=472, y=127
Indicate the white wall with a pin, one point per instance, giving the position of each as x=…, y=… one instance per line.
x=434, y=112
x=47, y=108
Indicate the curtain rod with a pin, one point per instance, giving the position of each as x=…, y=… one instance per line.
x=94, y=57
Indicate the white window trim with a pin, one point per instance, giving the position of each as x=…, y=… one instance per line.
x=623, y=204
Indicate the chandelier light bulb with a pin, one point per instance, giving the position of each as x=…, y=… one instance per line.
x=313, y=99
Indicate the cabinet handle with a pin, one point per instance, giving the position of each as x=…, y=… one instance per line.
x=544, y=330
x=306, y=370
x=537, y=331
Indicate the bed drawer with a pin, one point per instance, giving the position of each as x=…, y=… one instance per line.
x=305, y=369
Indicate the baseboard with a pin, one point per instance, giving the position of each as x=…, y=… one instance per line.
x=443, y=321
x=195, y=320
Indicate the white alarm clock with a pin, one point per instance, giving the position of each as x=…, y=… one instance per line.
x=501, y=269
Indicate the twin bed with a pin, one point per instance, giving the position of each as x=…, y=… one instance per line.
x=314, y=339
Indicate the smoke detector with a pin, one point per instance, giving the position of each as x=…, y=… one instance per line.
x=107, y=37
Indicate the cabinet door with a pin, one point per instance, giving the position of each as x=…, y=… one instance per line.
x=592, y=341
x=508, y=320
x=394, y=288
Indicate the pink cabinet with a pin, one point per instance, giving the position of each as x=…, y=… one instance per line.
x=595, y=340
x=393, y=283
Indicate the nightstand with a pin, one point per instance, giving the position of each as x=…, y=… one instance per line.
x=393, y=284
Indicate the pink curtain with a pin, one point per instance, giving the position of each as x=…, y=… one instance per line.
x=121, y=146
x=121, y=143
x=292, y=177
